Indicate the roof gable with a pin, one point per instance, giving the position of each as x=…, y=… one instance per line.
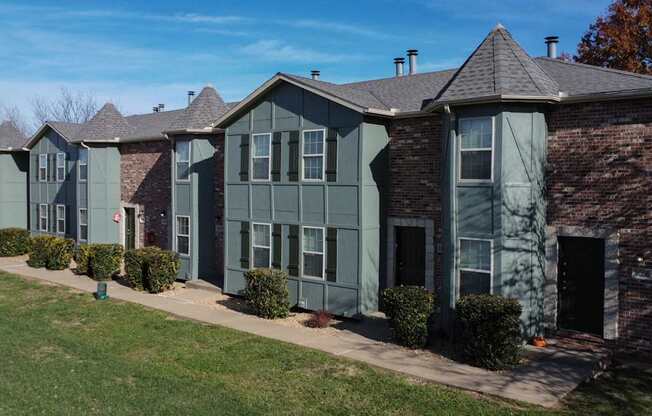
x=10, y=137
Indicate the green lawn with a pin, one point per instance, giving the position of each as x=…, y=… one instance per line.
x=62, y=352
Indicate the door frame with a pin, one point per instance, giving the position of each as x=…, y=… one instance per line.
x=611, y=283
x=429, y=226
x=123, y=232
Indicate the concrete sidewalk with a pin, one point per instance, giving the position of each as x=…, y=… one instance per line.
x=548, y=375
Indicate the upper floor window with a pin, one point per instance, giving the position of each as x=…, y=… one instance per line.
x=43, y=217
x=183, y=235
x=183, y=160
x=262, y=245
x=476, y=138
x=260, y=157
x=42, y=168
x=475, y=266
x=61, y=167
x=313, y=155
x=313, y=252
x=83, y=165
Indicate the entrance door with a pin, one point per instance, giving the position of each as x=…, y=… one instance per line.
x=581, y=284
x=130, y=228
x=410, y=256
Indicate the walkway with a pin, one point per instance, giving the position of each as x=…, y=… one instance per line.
x=548, y=376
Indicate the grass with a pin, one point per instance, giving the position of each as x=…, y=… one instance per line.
x=62, y=352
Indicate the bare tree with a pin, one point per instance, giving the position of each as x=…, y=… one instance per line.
x=68, y=106
x=14, y=115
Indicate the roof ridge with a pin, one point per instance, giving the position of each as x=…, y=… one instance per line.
x=534, y=82
x=595, y=67
x=441, y=71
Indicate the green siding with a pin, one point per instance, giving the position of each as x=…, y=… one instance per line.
x=103, y=194
x=14, y=168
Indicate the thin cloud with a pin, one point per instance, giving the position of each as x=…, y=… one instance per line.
x=275, y=50
x=330, y=26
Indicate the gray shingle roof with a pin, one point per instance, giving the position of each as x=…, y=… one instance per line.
x=580, y=79
x=68, y=130
x=151, y=125
x=202, y=112
x=499, y=66
x=11, y=137
x=107, y=124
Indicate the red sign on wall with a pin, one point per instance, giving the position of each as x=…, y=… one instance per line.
x=117, y=217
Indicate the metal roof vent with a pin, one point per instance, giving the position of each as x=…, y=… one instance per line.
x=161, y=107
x=190, y=95
x=398, y=62
x=412, y=56
x=314, y=74
x=552, y=42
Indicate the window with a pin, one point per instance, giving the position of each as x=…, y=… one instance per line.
x=83, y=224
x=261, y=246
x=476, y=149
x=61, y=167
x=43, y=217
x=313, y=252
x=83, y=165
x=475, y=266
x=183, y=160
x=313, y=155
x=42, y=168
x=61, y=219
x=260, y=157
x=183, y=235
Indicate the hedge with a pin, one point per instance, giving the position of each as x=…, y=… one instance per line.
x=14, y=242
x=488, y=330
x=82, y=259
x=151, y=269
x=409, y=309
x=51, y=252
x=104, y=260
x=267, y=293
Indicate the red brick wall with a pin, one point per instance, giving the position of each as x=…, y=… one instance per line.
x=415, y=169
x=600, y=175
x=145, y=180
x=218, y=142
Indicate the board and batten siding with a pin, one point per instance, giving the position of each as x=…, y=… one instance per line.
x=103, y=194
x=345, y=203
x=14, y=168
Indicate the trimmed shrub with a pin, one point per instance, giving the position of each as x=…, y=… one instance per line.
x=38, y=256
x=14, y=242
x=151, y=269
x=488, y=330
x=409, y=309
x=267, y=293
x=59, y=253
x=161, y=271
x=104, y=260
x=82, y=258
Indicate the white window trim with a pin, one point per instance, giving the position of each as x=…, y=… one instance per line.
x=177, y=161
x=85, y=225
x=323, y=253
x=62, y=157
x=80, y=164
x=253, y=244
x=177, y=235
x=252, y=148
x=460, y=269
x=322, y=154
x=476, y=149
x=47, y=218
x=43, y=157
x=56, y=213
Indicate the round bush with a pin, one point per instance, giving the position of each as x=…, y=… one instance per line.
x=38, y=255
x=488, y=330
x=161, y=270
x=267, y=293
x=409, y=309
x=82, y=258
x=105, y=260
x=59, y=253
x=14, y=242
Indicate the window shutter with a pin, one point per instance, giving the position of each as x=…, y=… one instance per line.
x=277, y=248
x=293, y=263
x=331, y=156
x=293, y=166
x=244, y=157
x=331, y=254
x=276, y=157
x=244, y=245
x=52, y=168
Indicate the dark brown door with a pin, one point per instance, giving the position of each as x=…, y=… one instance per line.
x=130, y=228
x=581, y=284
x=410, y=256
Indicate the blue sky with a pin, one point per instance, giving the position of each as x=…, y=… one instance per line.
x=140, y=53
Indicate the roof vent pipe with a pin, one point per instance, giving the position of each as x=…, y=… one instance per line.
x=314, y=74
x=552, y=42
x=190, y=95
x=155, y=109
x=161, y=107
x=412, y=56
x=398, y=62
